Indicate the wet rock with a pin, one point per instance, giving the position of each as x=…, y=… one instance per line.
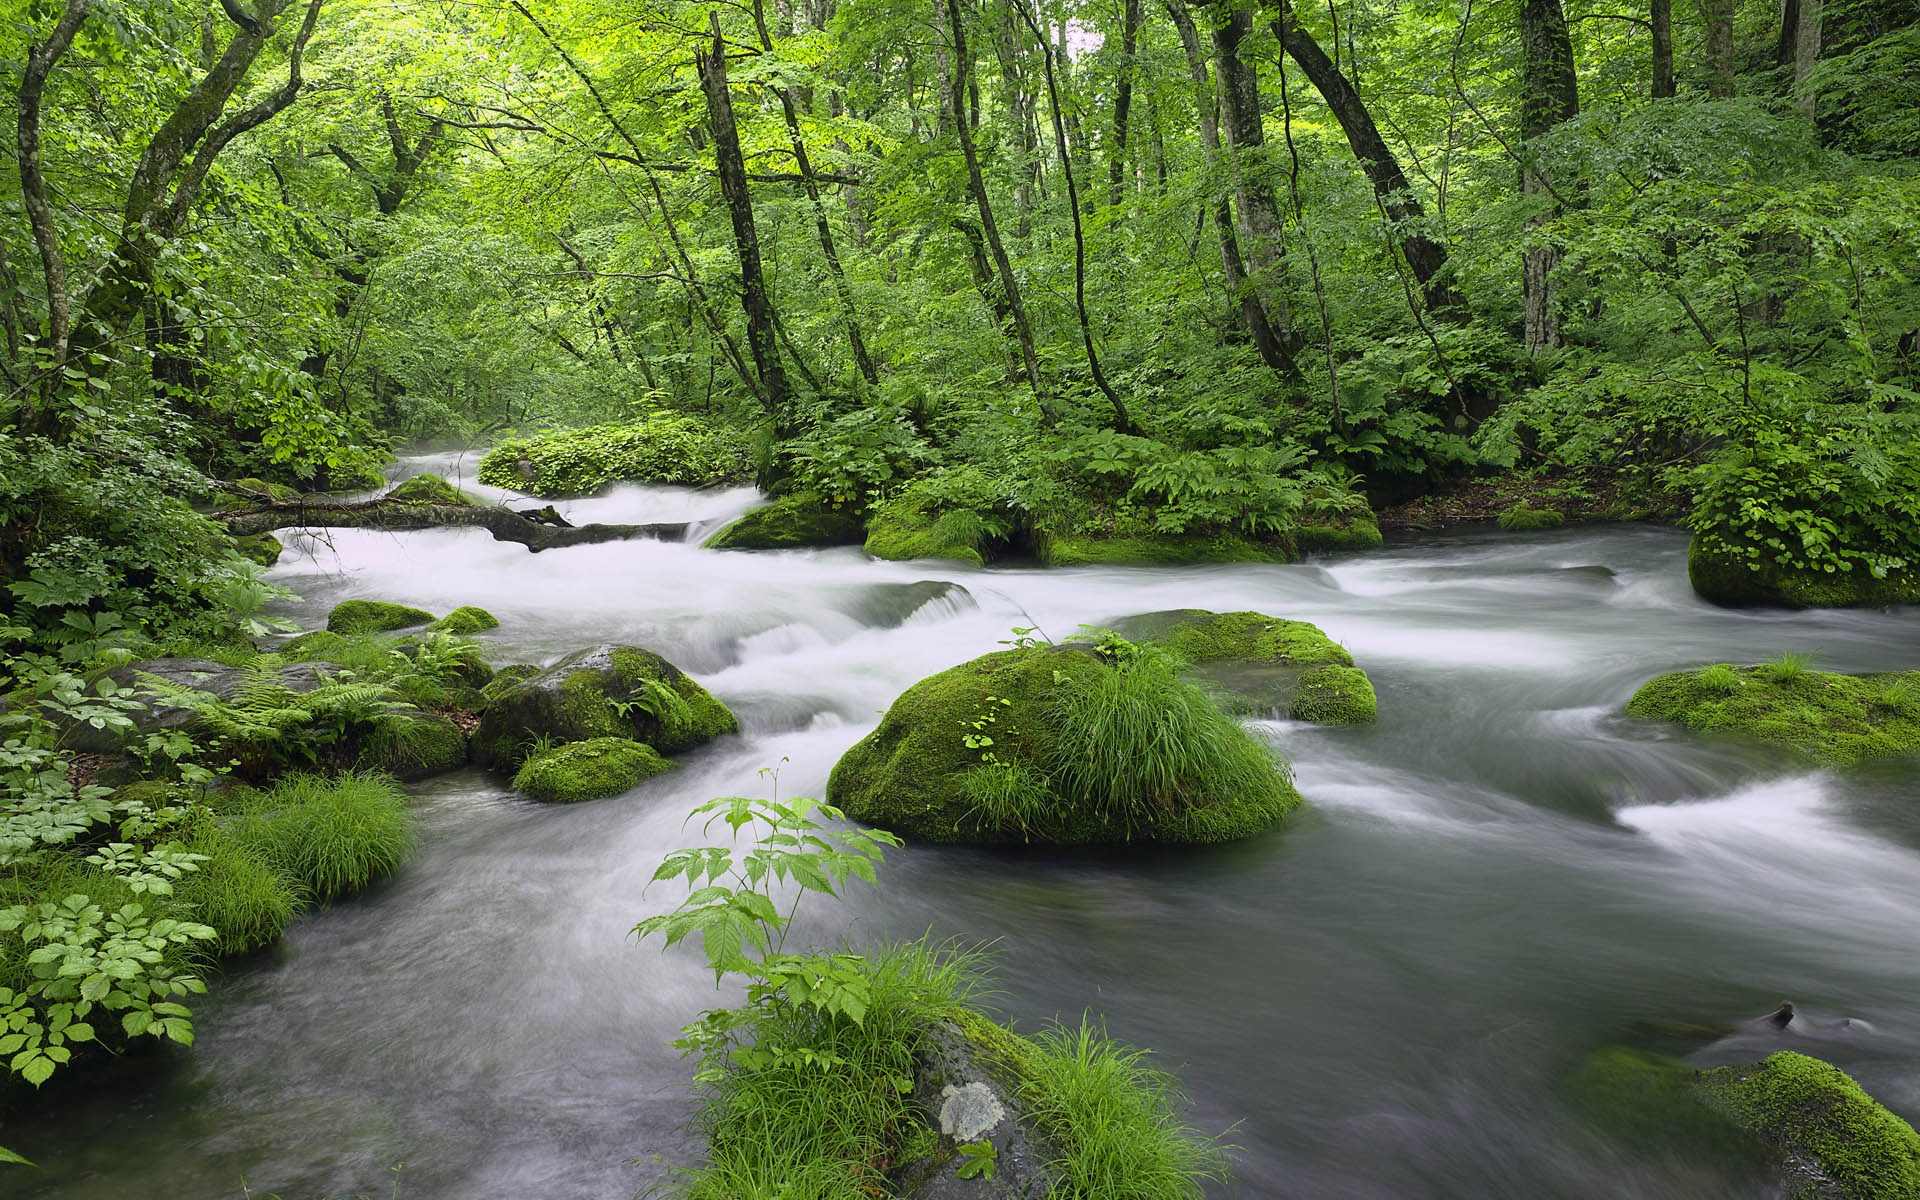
x=973, y=1100
x=374, y=616
x=890, y=605
x=608, y=691
x=789, y=523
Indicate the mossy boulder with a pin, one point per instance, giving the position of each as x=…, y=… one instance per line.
x=1821, y=1135
x=1827, y=717
x=1739, y=582
x=1520, y=517
x=609, y=691
x=466, y=620
x=412, y=745
x=263, y=548
x=1158, y=549
x=374, y=616
x=432, y=489
x=1264, y=664
x=589, y=770
x=791, y=522
x=905, y=528
x=1062, y=745
x=578, y=462
x=1356, y=531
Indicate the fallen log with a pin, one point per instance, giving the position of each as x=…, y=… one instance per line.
x=504, y=524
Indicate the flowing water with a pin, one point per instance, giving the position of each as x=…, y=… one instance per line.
x=1377, y=1000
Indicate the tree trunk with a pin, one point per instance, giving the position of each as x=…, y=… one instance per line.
x=1123, y=100
x=1719, y=48
x=1783, y=49
x=1026, y=143
x=1661, y=14
x=731, y=166
x=1806, y=53
x=1009, y=286
x=1252, y=313
x=1549, y=94
x=1426, y=257
x=1238, y=85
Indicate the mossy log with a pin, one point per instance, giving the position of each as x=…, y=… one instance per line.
x=504, y=524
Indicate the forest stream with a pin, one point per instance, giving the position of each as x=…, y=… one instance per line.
x=1378, y=999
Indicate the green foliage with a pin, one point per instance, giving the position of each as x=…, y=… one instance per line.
x=266, y=722
x=660, y=449
x=1827, y=717
x=589, y=770
x=331, y=836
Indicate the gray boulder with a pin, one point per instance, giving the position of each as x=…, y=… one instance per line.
x=974, y=1101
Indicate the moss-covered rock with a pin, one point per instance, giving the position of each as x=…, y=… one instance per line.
x=1061, y=745
x=610, y=691
x=1151, y=549
x=1357, y=531
x=589, y=770
x=466, y=620
x=791, y=522
x=374, y=616
x=1724, y=579
x=412, y=745
x=1520, y=517
x=1827, y=717
x=578, y=462
x=432, y=489
x=905, y=528
x=1264, y=664
x=263, y=548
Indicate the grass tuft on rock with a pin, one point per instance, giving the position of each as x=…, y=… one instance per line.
x=1827, y=717
x=1264, y=665
x=351, y=617
x=589, y=770
x=331, y=836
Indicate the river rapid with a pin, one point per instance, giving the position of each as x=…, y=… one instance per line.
x=1377, y=1000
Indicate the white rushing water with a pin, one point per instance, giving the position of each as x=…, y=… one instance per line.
x=1377, y=1000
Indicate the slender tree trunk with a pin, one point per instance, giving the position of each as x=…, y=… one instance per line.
x=1719, y=48
x=1009, y=285
x=1549, y=95
x=1806, y=53
x=842, y=290
x=1026, y=143
x=1426, y=257
x=1661, y=13
x=731, y=166
x=1783, y=49
x=1238, y=85
x=1252, y=312
x=1121, y=420
x=1123, y=99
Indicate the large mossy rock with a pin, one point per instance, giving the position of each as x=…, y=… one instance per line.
x=1061, y=745
x=432, y=489
x=579, y=462
x=1264, y=664
x=589, y=770
x=609, y=691
x=1827, y=717
x=466, y=620
x=1808, y=1121
x=1725, y=579
x=263, y=548
x=789, y=523
x=1355, y=531
x=374, y=616
x=906, y=528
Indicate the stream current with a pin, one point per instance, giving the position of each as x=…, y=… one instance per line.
x=1376, y=1000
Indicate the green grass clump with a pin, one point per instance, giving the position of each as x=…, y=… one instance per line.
x=1061, y=744
x=245, y=899
x=1117, y=1120
x=432, y=489
x=1801, y=1107
x=802, y=519
x=578, y=462
x=589, y=770
x=331, y=836
x=1827, y=717
x=1521, y=517
x=374, y=616
x=466, y=620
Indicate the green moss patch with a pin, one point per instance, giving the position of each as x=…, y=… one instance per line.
x=789, y=523
x=906, y=528
x=589, y=770
x=1149, y=549
x=263, y=548
x=1521, y=517
x=374, y=616
x=1725, y=579
x=1263, y=664
x=432, y=489
x=1357, y=532
x=1821, y=1125
x=611, y=691
x=579, y=462
x=1062, y=745
x=466, y=620
x=1828, y=717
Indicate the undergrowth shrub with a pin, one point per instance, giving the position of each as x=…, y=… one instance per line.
x=578, y=462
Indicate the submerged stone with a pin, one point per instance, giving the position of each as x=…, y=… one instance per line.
x=1061, y=745
x=609, y=691
x=789, y=523
x=1827, y=717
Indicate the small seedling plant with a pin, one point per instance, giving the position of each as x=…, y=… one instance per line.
x=774, y=847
